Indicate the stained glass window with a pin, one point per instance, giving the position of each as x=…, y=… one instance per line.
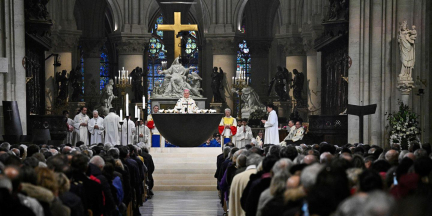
x=104, y=68
x=244, y=59
x=191, y=51
x=157, y=54
x=82, y=69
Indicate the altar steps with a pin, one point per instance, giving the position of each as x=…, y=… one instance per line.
x=184, y=169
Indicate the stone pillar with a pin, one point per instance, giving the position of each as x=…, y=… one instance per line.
x=314, y=82
x=260, y=66
x=224, y=56
x=91, y=48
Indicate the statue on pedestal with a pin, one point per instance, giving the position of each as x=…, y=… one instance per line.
x=62, y=86
x=298, y=88
x=76, y=80
x=106, y=98
x=281, y=79
x=216, y=84
x=251, y=102
x=137, y=87
x=175, y=81
x=406, y=40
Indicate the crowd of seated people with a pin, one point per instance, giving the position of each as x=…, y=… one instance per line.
x=324, y=179
x=83, y=180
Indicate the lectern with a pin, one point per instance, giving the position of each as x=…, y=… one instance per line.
x=361, y=111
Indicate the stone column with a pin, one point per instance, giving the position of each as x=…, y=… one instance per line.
x=260, y=66
x=313, y=61
x=224, y=56
x=91, y=48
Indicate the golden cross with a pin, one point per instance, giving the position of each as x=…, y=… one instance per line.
x=176, y=28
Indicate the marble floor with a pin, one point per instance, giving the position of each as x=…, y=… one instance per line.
x=182, y=203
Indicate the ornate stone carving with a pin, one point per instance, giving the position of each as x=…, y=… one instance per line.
x=292, y=46
x=131, y=46
x=406, y=40
x=337, y=10
x=65, y=40
x=307, y=44
x=221, y=46
x=92, y=46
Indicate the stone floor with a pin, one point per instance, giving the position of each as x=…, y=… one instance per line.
x=182, y=203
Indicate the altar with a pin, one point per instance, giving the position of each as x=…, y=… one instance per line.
x=187, y=130
x=169, y=103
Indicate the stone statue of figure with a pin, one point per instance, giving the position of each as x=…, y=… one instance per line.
x=76, y=80
x=251, y=102
x=406, y=40
x=195, y=81
x=108, y=94
x=298, y=87
x=176, y=81
x=280, y=78
x=216, y=84
x=62, y=86
x=137, y=87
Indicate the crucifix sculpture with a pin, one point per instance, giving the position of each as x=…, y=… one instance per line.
x=176, y=28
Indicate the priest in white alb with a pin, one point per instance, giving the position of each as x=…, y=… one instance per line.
x=271, y=135
x=127, y=132
x=142, y=134
x=186, y=104
x=96, y=129
x=81, y=121
x=227, y=127
x=244, y=134
x=111, y=126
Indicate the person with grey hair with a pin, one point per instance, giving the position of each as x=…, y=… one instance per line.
x=5, y=145
x=98, y=161
x=227, y=127
x=420, y=153
x=95, y=167
x=280, y=174
x=326, y=158
x=391, y=156
x=402, y=154
x=96, y=128
x=373, y=204
x=239, y=183
x=309, y=175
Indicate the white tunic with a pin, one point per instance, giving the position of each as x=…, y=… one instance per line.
x=127, y=138
x=145, y=131
x=291, y=133
x=154, y=130
x=81, y=131
x=298, y=134
x=111, y=126
x=227, y=133
x=271, y=135
x=243, y=137
x=182, y=103
x=97, y=135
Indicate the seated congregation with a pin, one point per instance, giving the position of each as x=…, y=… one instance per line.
x=83, y=180
x=324, y=179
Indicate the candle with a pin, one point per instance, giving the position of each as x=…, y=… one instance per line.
x=127, y=104
x=121, y=115
x=136, y=111
x=119, y=74
x=143, y=101
x=232, y=79
x=139, y=114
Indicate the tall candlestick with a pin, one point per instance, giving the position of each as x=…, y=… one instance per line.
x=121, y=115
x=143, y=100
x=139, y=114
x=127, y=104
x=233, y=80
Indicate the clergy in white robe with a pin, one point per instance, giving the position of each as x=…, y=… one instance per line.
x=227, y=127
x=81, y=120
x=244, y=135
x=271, y=127
x=186, y=104
x=143, y=134
x=112, y=126
x=299, y=132
x=127, y=132
x=291, y=130
x=96, y=128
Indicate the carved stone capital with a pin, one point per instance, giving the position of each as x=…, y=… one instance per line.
x=223, y=46
x=65, y=40
x=131, y=46
x=307, y=44
x=292, y=46
x=405, y=86
x=92, y=46
x=259, y=47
